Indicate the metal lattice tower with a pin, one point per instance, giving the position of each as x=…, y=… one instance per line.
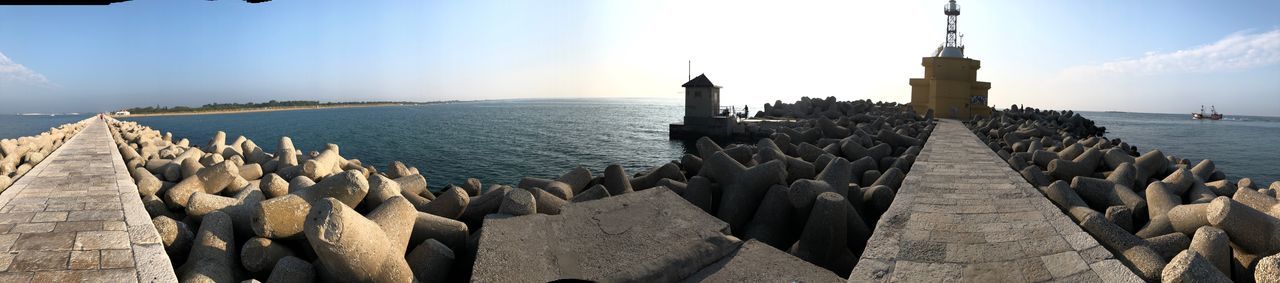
x=952, y=11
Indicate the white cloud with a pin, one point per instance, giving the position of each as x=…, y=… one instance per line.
x=13, y=72
x=1237, y=51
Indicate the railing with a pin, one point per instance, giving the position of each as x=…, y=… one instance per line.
x=732, y=111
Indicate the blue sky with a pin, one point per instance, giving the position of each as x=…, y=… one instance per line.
x=1148, y=56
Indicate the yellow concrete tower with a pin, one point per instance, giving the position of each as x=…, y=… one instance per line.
x=950, y=85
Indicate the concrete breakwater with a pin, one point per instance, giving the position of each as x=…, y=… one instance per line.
x=795, y=206
x=17, y=156
x=1164, y=217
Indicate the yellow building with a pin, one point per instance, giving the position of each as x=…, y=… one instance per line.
x=950, y=86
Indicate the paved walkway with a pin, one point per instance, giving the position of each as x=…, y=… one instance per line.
x=77, y=217
x=963, y=215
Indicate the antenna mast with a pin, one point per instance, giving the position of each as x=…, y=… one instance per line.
x=689, y=73
x=952, y=11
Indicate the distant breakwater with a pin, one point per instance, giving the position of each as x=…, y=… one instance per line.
x=298, y=213
x=1164, y=217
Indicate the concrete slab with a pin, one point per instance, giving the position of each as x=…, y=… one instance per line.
x=647, y=236
x=758, y=262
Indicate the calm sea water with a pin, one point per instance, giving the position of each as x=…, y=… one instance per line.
x=13, y=126
x=1241, y=146
x=499, y=141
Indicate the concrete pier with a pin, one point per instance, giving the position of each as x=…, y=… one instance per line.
x=77, y=217
x=963, y=215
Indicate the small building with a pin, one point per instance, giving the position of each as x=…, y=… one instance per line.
x=122, y=113
x=950, y=85
x=703, y=115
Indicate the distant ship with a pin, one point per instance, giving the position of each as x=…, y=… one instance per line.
x=1214, y=115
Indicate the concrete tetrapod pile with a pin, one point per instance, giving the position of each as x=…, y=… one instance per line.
x=20, y=155
x=226, y=213
x=830, y=107
x=230, y=212
x=1167, y=218
x=796, y=192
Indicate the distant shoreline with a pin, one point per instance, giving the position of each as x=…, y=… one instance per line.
x=269, y=109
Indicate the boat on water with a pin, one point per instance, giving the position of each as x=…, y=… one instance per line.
x=1214, y=115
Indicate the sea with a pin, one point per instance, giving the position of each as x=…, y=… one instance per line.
x=494, y=141
x=503, y=141
x=1240, y=146
x=17, y=125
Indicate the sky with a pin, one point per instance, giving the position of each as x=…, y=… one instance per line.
x=1141, y=56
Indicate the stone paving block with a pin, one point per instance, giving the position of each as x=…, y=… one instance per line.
x=111, y=275
x=1006, y=271
x=54, y=216
x=77, y=226
x=45, y=242
x=6, y=259
x=154, y=258
x=1064, y=264
x=16, y=217
x=1112, y=271
x=1033, y=270
x=1096, y=254
x=40, y=260
x=885, y=247
x=916, y=235
x=99, y=215
x=1081, y=241
x=144, y=234
x=64, y=206
x=113, y=226
x=124, y=275
x=1083, y=276
x=63, y=276
x=1006, y=237
x=27, y=207
x=922, y=251
x=102, y=206
x=1045, y=246
x=84, y=260
x=101, y=240
x=117, y=259
x=32, y=228
x=134, y=213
